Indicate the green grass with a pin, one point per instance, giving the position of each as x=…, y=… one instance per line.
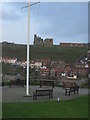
x=75, y=108
x=69, y=55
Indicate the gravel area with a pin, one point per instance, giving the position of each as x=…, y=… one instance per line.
x=18, y=94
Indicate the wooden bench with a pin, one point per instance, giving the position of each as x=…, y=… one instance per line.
x=71, y=89
x=68, y=84
x=47, y=83
x=43, y=92
x=14, y=82
x=3, y=83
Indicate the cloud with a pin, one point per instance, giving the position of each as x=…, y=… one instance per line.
x=61, y=21
x=66, y=20
x=9, y=12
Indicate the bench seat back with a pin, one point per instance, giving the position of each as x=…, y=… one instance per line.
x=74, y=88
x=44, y=92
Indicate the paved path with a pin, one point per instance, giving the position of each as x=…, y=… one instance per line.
x=17, y=94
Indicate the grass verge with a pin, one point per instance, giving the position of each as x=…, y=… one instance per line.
x=75, y=108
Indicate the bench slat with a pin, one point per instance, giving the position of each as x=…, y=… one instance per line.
x=43, y=92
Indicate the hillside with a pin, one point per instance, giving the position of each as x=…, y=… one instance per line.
x=69, y=55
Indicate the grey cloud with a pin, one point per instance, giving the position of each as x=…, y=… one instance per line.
x=10, y=12
x=64, y=19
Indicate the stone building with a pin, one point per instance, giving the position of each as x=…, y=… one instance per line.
x=48, y=42
x=38, y=41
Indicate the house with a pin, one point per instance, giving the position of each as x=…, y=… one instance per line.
x=9, y=60
x=73, y=45
x=68, y=71
x=24, y=63
x=82, y=65
x=13, y=60
x=0, y=59
x=53, y=72
x=46, y=62
x=60, y=71
x=44, y=71
x=57, y=64
x=37, y=64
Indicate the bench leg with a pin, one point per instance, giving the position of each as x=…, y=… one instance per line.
x=34, y=97
x=40, y=85
x=2, y=83
x=53, y=85
x=50, y=95
x=10, y=85
x=65, y=92
x=22, y=85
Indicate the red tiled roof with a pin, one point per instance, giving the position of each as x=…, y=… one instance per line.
x=68, y=69
x=61, y=69
x=56, y=69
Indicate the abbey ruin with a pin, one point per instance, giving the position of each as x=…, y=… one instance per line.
x=38, y=41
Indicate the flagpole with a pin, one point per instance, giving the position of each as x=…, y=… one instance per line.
x=27, y=80
x=28, y=40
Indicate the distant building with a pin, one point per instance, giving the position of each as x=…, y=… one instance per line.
x=0, y=59
x=82, y=65
x=48, y=42
x=36, y=64
x=45, y=72
x=38, y=41
x=9, y=60
x=73, y=45
x=57, y=64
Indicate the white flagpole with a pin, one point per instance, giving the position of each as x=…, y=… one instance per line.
x=27, y=81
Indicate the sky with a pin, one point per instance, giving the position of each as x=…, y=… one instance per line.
x=62, y=21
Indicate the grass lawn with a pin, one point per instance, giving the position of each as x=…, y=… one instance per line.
x=67, y=54
x=75, y=108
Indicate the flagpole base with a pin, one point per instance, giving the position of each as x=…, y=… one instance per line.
x=27, y=96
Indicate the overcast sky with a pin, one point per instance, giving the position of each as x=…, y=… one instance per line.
x=64, y=22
